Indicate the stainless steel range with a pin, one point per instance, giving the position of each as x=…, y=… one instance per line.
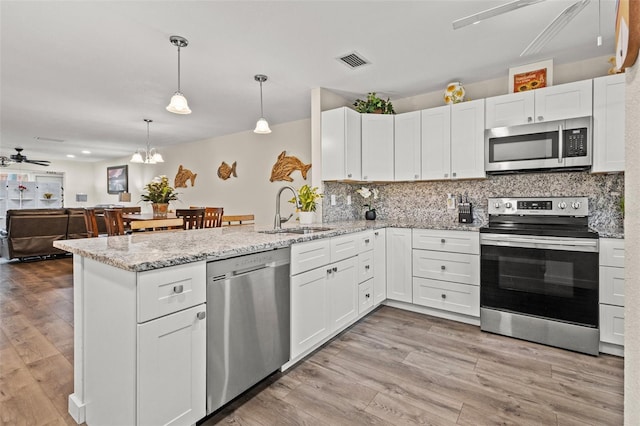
x=539, y=272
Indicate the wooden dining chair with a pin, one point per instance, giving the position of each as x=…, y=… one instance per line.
x=213, y=217
x=157, y=224
x=90, y=222
x=113, y=220
x=193, y=218
x=242, y=219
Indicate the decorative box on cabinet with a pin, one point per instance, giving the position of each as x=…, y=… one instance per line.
x=608, y=123
x=341, y=145
x=377, y=147
x=612, y=295
x=571, y=100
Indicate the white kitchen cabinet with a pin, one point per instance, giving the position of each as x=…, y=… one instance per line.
x=446, y=266
x=453, y=141
x=467, y=140
x=309, y=309
x=611, y=295
x=170, y=350
x=342, y=288
x=407, y=146
x=341, y=144
x=380, y=266
x=399, y=285
x=377, y=147
x=608, y=123
x=436, y=143
x=560, y=102
x=447, y=296
x=365, y=297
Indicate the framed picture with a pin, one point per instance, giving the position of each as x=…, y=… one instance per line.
x=531, y=76
x=117, y=179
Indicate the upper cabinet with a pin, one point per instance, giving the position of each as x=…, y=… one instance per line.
x=377, y=147
x=407, y=146
x=561, y=102
x=453, y=141
x=608, y=123
x=341, y=146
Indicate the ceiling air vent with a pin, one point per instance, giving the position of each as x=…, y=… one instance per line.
x=353, y=60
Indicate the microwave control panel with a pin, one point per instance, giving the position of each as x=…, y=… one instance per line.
x=575, y=142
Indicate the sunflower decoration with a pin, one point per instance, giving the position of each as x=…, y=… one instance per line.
x=454, y=93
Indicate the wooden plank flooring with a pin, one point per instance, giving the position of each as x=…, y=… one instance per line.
x=392, y=368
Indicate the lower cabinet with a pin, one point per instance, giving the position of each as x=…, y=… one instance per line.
x=447, y=296
x=611, y=295
x=399, y=286
x=380, y=266
x=309, y=310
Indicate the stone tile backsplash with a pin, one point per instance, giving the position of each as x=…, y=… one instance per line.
x=424, y=201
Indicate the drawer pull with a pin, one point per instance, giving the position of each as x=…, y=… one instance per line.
x=201, y=315
x=443, y=267
x=366, y=267
x=367, y=295
x=178, y=288
x=443, y=241
x=366, y=241
x=540, y=118
x=329, y=271
x=334, y=269
x=376, y=233
x=444, y=296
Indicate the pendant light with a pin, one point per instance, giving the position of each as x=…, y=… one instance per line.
x=178, y=103
x=262, y=126
x=151, y=156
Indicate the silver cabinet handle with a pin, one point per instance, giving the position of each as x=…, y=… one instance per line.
x=540, y=118
x=178, y=289
x=453, y=174
x=364, y=177
x=366, y=241
x=529, y=119
x=443, y=240
x=349, y=175
x=334, y=269
x=329, y=271
x=367, y=295
x=446, y=175
x=444, y=296
x=443, y=267
x=201, y=315
x=376, y=233
x=415, y=176
x=366, y=267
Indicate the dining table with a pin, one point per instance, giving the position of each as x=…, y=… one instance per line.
x=129, y=217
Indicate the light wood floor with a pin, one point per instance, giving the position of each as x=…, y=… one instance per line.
x=394, y=367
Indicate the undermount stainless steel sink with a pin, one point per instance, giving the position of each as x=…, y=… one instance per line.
x=304, y=230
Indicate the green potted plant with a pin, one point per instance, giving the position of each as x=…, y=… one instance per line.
x=308, y=199
x=159, y=193
x=374, y=105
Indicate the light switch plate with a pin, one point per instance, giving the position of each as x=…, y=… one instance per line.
x=348, y=200
x=333, y=199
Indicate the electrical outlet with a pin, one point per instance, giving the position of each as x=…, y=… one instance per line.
x=451, y=202
x=348, y=200
x=333, y=199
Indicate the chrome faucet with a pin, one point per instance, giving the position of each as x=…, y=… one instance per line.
x=278, y=221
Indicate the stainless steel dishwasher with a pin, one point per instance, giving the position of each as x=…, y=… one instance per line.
x=247, y=322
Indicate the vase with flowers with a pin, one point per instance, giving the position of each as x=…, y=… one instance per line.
x=370, y=213
x=159, y=194
x=308, y=199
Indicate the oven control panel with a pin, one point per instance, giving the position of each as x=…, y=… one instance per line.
x=551, y=206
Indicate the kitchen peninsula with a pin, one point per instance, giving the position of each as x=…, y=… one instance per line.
x=131, y=290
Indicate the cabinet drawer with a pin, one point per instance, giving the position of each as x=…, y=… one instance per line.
x=612, y=252
x=365, y=296
x=448, y=296
x=452, y=241
x=309, y=255
x=167, y=290
x=365, y=240
x=612, y=324
x=455, y=267
x=344, y=246
x=365, y=266
x=612, y=285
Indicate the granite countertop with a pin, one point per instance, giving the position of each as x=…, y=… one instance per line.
x=609, y=231
x=146, y=251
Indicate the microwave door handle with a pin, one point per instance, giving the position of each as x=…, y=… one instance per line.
x=560, y=144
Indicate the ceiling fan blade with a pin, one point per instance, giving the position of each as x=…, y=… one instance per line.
x=490, y=13
x=5, y=161
x=38, y=162
x=554, y=27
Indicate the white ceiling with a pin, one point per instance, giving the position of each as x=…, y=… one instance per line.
x=88, y=72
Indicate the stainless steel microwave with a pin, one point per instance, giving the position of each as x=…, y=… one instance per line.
x=565, y=144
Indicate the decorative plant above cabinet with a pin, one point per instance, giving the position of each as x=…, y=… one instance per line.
x=374, y=105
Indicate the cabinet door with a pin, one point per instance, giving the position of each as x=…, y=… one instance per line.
x=611, y=285
x=380, y=266
x=612, y=324
x=436, y=143
x=377, y=147
x=509, y=110
x=172, y=369
x=467, y=140
x=569, y=100
x=309, y=310
x=342, y=288
x=608, y=123
x=407, y=146
x=399, y=285
x=341, y=156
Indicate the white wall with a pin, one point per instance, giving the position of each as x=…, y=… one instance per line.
x=632, y=251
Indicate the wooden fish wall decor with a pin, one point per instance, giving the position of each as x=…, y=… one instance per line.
x=225, y=171
x=285, y=165
x=183, y=176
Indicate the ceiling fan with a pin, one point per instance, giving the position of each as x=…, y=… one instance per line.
x=544, y=37
x=19, y=158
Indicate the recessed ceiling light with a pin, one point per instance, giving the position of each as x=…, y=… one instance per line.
x=71, y=156
x=86, y=152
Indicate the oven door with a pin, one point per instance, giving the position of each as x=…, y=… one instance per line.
x=548, y=277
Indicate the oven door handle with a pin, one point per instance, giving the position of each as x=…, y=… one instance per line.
x=541, y=243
